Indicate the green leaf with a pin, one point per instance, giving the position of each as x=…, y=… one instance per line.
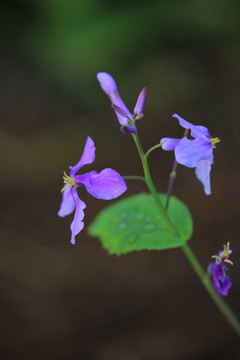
x=136, y=224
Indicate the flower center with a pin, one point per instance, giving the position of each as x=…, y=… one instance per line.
x=70, y=181
x=224, y=255
x=214, y=141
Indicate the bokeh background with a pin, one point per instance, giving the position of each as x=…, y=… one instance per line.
x=60, y=301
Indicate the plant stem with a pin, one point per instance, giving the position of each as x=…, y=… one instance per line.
x=173, y=175
x=152, y=148
x=152, y=188
x=202, y=274
x=133, y=177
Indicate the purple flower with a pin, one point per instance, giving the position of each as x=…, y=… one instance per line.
x=125, y=118
x=221, y=281
x=197, y=152
x=106, y=185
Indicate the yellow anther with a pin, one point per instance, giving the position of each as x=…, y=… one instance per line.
x=214, y=141
x=217, y=257
x=226, y=250
x=70, y=181
x=225, y=254
x=228, y=261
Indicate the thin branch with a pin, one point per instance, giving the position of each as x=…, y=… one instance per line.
x=142, y=178
x=173, y=175
x=151, y=149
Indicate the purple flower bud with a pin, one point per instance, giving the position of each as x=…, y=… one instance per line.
x=107, y=83
x=119, y=110
x=128, y=130
x=140, y=102
x=109, y=86
x=139, y=116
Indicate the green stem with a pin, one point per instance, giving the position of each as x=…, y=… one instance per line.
x=152, y=148
x=152, y=188
x=203, y=276
x=173, y=175
x=133, y=177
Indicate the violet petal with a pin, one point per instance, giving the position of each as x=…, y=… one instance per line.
x=106, y=185
x=197, y=131
x=120, y=111
x=77, y=223
x=88, y=156
x=109, y=86
x=68, y=204
x=221, y=281
x=203, y=174
x=107, y=83
x=190, y=152
x=128, y=130
x=169, y=144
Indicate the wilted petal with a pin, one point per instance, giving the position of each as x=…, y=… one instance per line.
x=197, y=131
x=223, y=285
x=88, y=156
x=190, y=152
x=140, y=102
x=106, y=185
x=221, y=281
x=109, y=86
x=169, y=144
x=77, y=224
x=68, y=204
x=203, y=174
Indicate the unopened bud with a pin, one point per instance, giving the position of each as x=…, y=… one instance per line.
x=139, y=117
x=128, y=130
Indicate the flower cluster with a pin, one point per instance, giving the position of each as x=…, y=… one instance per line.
x=106, y=185
x=221, y=281
x=125, y=118
x=194, y=153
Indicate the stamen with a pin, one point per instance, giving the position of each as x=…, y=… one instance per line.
x=70, y=181
x=226, y=250
x=217, y=257
x=214, y=141
x=225, y=254
x=228, y=261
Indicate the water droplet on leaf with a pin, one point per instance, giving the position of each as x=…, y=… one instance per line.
x=122, y=225
x=149, y=227
x=133, y=238
x=123, y=215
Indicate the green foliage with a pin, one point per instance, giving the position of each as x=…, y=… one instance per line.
x=136, y=224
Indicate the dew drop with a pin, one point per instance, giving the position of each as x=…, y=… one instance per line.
x=123, y=216
x=139, y=216
x=122, y=225
x=132, y=238
x=149, y=227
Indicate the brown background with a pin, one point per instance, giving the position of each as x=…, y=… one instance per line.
x=60, y=301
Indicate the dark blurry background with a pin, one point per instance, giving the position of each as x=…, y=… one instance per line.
x=60, y=301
